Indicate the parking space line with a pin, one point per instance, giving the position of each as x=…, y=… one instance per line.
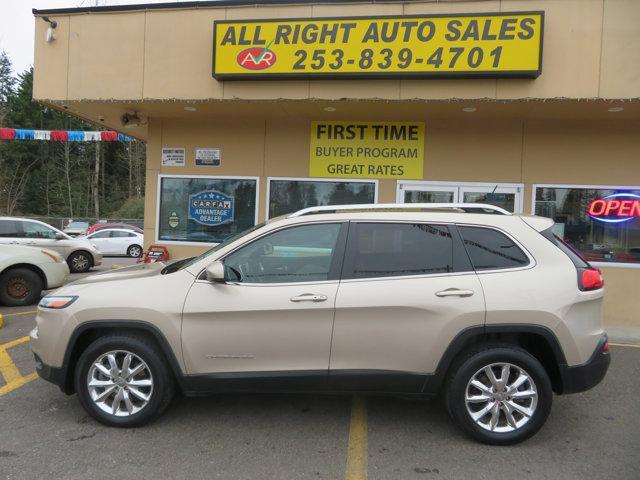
x=357, y=450
x=632, y=345
x=12, y=376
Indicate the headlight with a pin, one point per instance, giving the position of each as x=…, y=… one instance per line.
x=54, y=256
x=57, y=301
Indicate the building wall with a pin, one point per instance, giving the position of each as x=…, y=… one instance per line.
x=589, y=52
x=505, y=151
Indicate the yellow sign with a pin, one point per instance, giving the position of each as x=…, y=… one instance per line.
x=480, y=45
x=367, y=149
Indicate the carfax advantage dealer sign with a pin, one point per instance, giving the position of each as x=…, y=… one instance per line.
x=473, y=45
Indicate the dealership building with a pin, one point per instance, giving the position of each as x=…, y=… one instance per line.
x=253, y=109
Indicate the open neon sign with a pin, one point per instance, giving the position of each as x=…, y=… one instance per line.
x=615, y=208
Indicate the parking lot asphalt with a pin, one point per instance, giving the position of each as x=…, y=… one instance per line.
x=46, y=434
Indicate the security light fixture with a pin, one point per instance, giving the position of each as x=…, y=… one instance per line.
x=616, y=109
x=329, y=109
x=469, y=109
x=190, y=109
x=50, y=36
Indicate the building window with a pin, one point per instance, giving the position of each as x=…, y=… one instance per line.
x=287, y=195
x=603, y=224
x=205, y=209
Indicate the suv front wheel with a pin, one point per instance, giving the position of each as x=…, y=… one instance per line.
x=123, y=381
x=499, y=395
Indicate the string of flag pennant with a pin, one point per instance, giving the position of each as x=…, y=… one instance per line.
x=62, y=135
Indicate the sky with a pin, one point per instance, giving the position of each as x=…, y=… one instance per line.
x=17, y=24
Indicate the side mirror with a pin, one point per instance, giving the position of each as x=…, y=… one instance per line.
x=59, y=236
x=215, y=272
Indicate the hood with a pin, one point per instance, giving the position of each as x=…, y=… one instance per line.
x=127, y=273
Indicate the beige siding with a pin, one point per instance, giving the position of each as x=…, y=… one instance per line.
x=590, y=50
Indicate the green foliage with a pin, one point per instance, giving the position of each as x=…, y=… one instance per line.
x=132, y=208
x=43, y=178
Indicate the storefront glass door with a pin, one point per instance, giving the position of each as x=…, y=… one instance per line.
x=507, y=196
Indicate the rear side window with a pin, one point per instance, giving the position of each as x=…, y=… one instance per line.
x=10, y=228
x=490, y=249
x=398, y=249
x=573, y=254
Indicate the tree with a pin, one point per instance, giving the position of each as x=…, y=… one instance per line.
x=60, y=178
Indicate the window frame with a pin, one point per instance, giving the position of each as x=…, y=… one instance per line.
x=460, y=260
x=535, y=187
x=312, y=179
x=338, y=261
x=532, y=261
x=23, y=232
x=210, y=177
x=456, y=187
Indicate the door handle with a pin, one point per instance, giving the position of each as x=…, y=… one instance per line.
x=309, y=297
x=454, y=292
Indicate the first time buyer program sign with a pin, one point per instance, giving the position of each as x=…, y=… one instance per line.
x=367, y=149
x=506, y=44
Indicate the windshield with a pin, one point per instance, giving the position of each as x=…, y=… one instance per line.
x=186, y=262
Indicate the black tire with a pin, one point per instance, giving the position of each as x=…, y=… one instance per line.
x=79, y=262
x=163, y=381
x=19, y=287
x=466, y=367
x=134, y=251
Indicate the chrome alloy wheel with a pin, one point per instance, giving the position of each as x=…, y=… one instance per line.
x=135, y=251
x=80, y=262
x=120, y=383
x=501, y=397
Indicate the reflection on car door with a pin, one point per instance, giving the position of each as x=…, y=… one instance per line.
x=272, y=319
x=404, y=286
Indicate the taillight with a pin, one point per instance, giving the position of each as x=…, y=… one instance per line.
x=590, y=279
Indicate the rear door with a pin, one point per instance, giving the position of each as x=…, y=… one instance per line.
x=10, y=232
x=407, y=290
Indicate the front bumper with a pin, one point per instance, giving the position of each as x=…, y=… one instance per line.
x=583, y=377
x=97, y=258
x=51, y=374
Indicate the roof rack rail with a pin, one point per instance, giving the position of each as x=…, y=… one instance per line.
x=461, y=207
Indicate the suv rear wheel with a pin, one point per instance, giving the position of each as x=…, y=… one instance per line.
x=123, y=381
x=499, y=395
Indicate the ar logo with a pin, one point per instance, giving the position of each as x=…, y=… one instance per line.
x=256, y=58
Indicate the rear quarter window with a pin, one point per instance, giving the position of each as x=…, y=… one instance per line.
x=490, y=249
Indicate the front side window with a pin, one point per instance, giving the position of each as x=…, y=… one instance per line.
x=491, y=250
x=287, y=196
x=298, y=254
x=102, y=234
x=36, y=230
x=204, y=209
x=398, y=249
x=602, y=224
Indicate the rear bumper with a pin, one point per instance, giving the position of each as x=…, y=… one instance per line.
x=583, y=377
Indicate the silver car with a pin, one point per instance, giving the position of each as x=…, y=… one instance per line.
x=80, y=254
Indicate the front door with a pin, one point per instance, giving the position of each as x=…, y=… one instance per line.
x=270, y=324
x=408, y=289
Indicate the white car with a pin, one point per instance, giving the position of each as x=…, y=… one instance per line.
x=118, y=241
x=80, y=254
x=26, y=271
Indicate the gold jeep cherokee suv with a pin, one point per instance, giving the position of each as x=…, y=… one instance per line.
x=487, y=307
